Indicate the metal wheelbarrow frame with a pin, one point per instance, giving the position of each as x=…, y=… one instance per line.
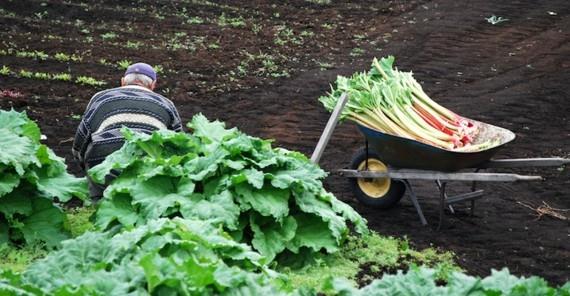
x=388, y=162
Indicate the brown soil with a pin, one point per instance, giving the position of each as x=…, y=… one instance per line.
x=513, y=74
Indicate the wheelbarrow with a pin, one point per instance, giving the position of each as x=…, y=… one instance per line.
x=379, y=172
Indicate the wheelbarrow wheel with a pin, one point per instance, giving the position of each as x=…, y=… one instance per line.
x=381, y=193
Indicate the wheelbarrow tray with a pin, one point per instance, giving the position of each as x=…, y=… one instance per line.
x=406, y=153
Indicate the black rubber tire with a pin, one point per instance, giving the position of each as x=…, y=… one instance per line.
x=388, y=200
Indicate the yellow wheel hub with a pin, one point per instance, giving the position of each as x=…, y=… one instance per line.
x=377, y=187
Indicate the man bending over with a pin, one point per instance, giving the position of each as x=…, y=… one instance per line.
x=134, y=105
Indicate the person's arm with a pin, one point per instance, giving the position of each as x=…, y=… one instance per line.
x=83, y=135
x=176, y=122
x=80, y=142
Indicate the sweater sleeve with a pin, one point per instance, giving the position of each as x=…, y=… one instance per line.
x=83, y=135
x=176, y=122
x=80, y=142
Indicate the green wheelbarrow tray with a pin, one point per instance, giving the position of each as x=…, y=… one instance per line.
x=406, y=153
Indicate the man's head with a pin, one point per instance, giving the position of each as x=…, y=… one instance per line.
x=140, y=74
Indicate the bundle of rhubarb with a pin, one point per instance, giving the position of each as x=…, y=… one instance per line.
x=393, y=102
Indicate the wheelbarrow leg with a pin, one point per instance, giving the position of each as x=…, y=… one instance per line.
x=441, y=204
x=451, y=209
x=415, y=202
x=473, y=188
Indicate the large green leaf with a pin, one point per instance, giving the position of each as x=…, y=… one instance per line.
x=8, y=181
x=501, y=281
x=310, y=203
x=414, y=282
x=268, y=201
x=253, y=176
x=313, y=233
x=347, y=212
x=269, y=237
x=19, y=123
x=118, y=160
x=155, y=196
x=218, y=209
x=117, y=208
x=18, y=201
x=63, y=186
x=298, y=170
x=533, y=286
x=201, y=168
x=211, y=132
x=16, y=151
x=45, y=223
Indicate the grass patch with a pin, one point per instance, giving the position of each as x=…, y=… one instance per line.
x=375, y=253
x=78, y=220
x=17, y=258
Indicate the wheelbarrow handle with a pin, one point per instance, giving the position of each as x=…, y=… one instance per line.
x=327, y=133
x=525, y=162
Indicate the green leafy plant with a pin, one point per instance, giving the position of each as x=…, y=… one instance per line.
x=86, y=80
x=109, y=36
x=63, y=57
x=391, y=101
x=261, y=64
x=195, y=20
x=7, y=13
x=123, y=64
x=5, y=70
x=133, y=44
x=236, y=22
x=165, y=257
x=320, y=2
x=286, y=35
x=38, y=55
x=158, y=69
x=256, y=28
x=214, y=45
x=25, y=74
x=325, y=65
x=357, y=51
x=424, y=281
x=32, y=179
x=307, y=33
x=269, y=197
x=190, y=257
x=41, y=15
x=104, y=62
x=61, y=76
x=42, y=76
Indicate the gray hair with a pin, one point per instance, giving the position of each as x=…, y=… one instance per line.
x=135, y=78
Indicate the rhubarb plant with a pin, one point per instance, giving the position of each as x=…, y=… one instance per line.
x=163, y=257
x=33, y=181
x=393, y=102
x=268, y=197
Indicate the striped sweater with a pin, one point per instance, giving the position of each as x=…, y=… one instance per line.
x=136, y=107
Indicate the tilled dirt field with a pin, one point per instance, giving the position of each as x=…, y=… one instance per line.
x=261, y=65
